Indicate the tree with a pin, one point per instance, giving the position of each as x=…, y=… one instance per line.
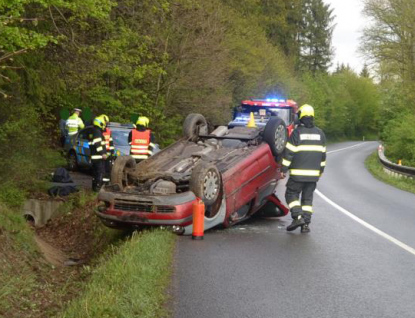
x=365, y=71
x=315, y=35
x=390, y=39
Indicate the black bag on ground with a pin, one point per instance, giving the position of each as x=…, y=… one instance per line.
x=62, y=191
x=61, y=175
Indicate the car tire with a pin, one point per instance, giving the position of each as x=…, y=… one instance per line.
x=206, y=184
x=275, y=135
x=195, y=125
x=119, y=172
x=72, y=161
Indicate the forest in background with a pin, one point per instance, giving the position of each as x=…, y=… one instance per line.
x=167, y=58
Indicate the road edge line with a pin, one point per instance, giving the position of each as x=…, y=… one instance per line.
x=367, y=225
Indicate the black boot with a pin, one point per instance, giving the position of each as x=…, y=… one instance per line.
x=305, y=228
x=299, y=221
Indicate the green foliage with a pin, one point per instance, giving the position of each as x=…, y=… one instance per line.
x=11, y=196
x=399, y=138
x=315, y=32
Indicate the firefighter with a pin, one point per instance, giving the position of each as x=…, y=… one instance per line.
x=141, y=140
x=305, y=158
x=109, y=145
x=74, y=123
x=98, y=153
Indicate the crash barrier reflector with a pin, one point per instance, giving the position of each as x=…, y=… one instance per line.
x=394, y=168
x=198, y=219
x=251, y=123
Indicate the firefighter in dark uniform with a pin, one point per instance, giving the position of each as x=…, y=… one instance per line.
x=98, y=153
x=305, y=158
x=141, y=140
x=109, y=145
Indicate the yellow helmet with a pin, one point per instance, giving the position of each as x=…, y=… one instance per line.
x=306, y=110
x=143, y=121
x=99, y=122
x=105, y=118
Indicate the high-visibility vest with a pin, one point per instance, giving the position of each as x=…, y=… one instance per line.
x=140, y=142
x=73, y=124
x=107, y=135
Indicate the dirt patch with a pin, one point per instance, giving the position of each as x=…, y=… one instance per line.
x=52, y=255
x=75, y=234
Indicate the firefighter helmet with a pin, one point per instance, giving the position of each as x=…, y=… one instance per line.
x=105, y=118
x=143, y=121
x=99, y=122
x=306, y=110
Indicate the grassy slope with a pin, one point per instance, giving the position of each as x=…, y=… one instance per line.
x=18, y=255
x=376, y=168
x=128, y=279
x=132, y=283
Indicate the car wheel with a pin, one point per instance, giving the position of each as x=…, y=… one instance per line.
x=195, y=125
x=206, y=184
x=120, y=170
x=275, y=135
x=72, y=161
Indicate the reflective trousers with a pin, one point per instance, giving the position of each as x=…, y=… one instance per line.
x=303, y=207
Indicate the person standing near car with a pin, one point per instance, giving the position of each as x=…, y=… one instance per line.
x=141, y=140
x=98, y=153
x=74, y=123
x=109, y=146
x=305, y=158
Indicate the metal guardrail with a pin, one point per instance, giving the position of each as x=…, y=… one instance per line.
x=393, y=167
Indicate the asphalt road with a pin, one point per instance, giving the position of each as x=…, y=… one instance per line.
x=343, y=268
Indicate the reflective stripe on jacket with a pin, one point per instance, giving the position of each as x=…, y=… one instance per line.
x=98, y=148
x=305, y=154
x=141, y=147
x=73, y=124
x=109, y=144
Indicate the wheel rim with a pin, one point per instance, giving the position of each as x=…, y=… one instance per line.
x=211, y=185
x=280, y=138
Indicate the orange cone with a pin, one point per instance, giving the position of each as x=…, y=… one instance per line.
x=198, y=219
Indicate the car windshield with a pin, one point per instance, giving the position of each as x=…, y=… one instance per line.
x=283, y=113
x=120, y=137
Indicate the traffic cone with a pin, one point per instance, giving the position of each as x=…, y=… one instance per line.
x=251, y=123
x=198, y=219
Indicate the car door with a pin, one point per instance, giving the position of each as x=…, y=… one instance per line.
x=83, y=150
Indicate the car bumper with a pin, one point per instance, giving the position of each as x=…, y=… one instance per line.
x=176, y=209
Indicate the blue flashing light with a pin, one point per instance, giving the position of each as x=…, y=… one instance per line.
x=275, y=100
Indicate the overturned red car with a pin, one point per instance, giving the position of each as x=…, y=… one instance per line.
x=233, y=170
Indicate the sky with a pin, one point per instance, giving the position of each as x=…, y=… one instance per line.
x=349, y=22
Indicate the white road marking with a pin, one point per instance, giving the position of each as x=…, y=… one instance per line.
x=360, y=221
x=359, y=144
x=367, y=225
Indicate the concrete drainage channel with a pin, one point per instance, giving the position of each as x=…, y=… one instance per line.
x=39, y=212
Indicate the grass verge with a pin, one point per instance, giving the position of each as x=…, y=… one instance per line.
x=18, y=251
x=375, y=167
x=132, y=282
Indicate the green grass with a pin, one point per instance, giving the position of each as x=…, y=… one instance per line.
x=132, y=282
x=375, y=167
x=17, y=252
